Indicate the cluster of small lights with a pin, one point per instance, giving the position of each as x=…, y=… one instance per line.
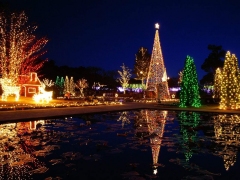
x=69, y=86
x=227, y=133
x=48, y=83
x=189, y=94
x=217, y=83
x=125, y=76
x=157, y=75
x=141, y=66
x=43, y=96
x=9, y=89
x=124, y=117
x=156, y=121
x=81, y=84
x=229, y=86
x=20, y=49
x=188, y=120
x=17, y=162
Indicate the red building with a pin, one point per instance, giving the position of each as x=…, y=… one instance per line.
x=29, y=84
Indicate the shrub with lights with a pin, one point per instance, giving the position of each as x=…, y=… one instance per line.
x=189, y=94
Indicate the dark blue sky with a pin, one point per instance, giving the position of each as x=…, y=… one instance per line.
x=107, y=33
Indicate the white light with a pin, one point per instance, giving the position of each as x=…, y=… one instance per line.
x=43, y=96
x=157, y=26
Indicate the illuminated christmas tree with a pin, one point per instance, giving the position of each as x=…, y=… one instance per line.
x=66, y=85
x=229, y=93
x=59, y=85
x=157, y=75
x=72, y=86
x=217, y=83
x=189, y=94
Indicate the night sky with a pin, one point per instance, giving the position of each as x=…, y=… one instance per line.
x=107, y=33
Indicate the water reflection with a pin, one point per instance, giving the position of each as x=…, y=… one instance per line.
x=227, y=133
x=188, y=122
x=152, y=122
x=16, y=156
x=141, y=144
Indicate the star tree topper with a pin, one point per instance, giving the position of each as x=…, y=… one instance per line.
x=157, y=26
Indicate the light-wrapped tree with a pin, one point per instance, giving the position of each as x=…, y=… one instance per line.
x=124, y=77
x=229, y=93
x=189, y=94
x=217, y=84
x=81, y=84
x=20, y=49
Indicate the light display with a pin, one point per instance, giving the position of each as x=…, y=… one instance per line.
x=81, y=84
x=189, y=94
x=19, y=48
x=69, y=86
x=124, y=77
x=48, y=83
x=227, y=134
x=66, y=85
x=151, y=124
x=60, y=85
x=43, y=96
x=141, y=66
x=155, y=80
x=229, y=94
x=217, y=83
x=8, y=89
x=17, y=159
x=124, y=117
x=189, y=120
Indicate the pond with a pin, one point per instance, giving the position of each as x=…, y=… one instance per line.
x=139, y=144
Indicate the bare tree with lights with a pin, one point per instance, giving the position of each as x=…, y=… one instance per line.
x=124, y=77
x=20, y=49
x=81, y=84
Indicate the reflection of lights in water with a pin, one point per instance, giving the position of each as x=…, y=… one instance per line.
x=155, y=122
x=16, y=158
x=124, y=117
x=226, y=128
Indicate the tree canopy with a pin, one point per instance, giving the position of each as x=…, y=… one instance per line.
x=212, y=62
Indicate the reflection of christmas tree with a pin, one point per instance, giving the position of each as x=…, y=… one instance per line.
x=157, y=75
x=153, y=122
x=227, y=134
x=189, y=120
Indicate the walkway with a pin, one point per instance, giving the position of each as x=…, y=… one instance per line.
x=16, y=115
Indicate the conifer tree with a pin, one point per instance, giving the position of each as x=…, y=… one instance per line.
x=189, y=94
x=217, y=83
x=229, y=93
x=72, y=86
x=66, y=85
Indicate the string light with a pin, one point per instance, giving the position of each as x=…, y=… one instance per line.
x=19, y=48
x=81, y=84
x=156, y=80
x=189, y=94
x=229, y=93
x=125, y=76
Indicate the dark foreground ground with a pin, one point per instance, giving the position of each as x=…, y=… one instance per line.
x=26, y=109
